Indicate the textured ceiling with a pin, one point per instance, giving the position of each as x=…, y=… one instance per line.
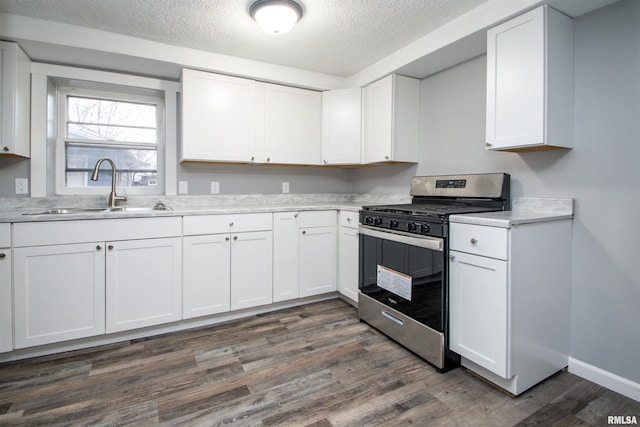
x=337, y=37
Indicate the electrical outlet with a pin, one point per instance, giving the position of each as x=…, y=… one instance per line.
x=22, y=185
x=285, y=187
x=215, y=187
x=183, y=187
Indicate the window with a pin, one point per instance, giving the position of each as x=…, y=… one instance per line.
x=127, y=128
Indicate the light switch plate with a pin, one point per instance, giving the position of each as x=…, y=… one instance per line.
x=215, y=187
x=22, y=185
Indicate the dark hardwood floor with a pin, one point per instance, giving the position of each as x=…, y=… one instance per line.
x=314, y=365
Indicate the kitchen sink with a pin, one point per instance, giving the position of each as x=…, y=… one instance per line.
x=77, y=211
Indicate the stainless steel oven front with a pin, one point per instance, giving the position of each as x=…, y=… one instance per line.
x=403, y=291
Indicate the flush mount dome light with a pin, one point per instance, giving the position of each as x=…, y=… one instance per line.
x=276, y=16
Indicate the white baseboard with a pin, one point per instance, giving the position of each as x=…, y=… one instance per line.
x=605, y=379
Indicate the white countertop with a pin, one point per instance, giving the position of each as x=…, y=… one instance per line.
x=525, y=211
x=192, y=205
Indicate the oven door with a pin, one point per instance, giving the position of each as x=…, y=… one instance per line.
x=404, y=272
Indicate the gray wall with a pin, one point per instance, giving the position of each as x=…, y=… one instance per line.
x=602, y=172
x=10, y=169
x=260, y=179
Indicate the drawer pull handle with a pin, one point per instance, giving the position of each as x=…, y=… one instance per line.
x=110, y=247
x=473, y=241
x=391, y=317
x=3, y=256
x=231, y=224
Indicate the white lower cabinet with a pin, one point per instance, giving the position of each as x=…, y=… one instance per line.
x=71, y=281
x=228, y=263
x=318, y=260
x=207, y=275
x=6, y=299
x=348, y=254
x=510, y=299
x=251, y=269
x=479, y=318
x=143, y=285
x=59, y=293
x=286, y=256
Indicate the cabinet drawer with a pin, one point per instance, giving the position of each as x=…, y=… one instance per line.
x=318, y=218
x=82, y=231
x=227, y=223
x=348, y=219
x=479, y=240
x=5, y=235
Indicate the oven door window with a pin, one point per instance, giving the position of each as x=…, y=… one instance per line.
x=424, y=267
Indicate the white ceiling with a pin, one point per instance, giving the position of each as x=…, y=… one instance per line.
x=337, y=43
x=336, y=37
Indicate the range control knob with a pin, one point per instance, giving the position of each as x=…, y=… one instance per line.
x=368, y=220
x=394, y=223
x=412, y=226
x=424, y=228
x=377, y=221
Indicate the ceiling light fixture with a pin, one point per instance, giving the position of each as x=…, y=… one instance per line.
x=276, y=16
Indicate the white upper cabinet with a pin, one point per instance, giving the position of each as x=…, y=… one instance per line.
x=220, y=118
x=292, y=125
x=530, y=82
x=391, y=120
x=15, y=97
x=342, y=127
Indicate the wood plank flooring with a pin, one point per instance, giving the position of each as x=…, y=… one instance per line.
x=314, y=365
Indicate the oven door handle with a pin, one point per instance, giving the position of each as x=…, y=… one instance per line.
x=427, y=242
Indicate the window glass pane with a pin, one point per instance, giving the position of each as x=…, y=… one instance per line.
x=107, y=120
x=136, y=166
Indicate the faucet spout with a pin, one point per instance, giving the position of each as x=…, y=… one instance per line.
x=113, y=197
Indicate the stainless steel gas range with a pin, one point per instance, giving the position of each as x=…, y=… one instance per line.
x=403, y=268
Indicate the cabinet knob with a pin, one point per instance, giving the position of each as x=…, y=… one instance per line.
x=452, y=257
x=268, y=159
x=487, y=144
x=3, y=256
x=252, y=158
x=295, y=215
x=473, y=241
x=325, y=162
x=235, y=237
x=348, y=219
x=231, y=224
x=99, y=247
x=386, y=157
x=5, y=149
x=304, y=231
x=226, y=238
x=110, y=247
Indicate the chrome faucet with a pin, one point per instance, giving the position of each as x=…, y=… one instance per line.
x=113, y=197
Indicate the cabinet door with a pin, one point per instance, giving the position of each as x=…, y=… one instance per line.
x=530, y=81
x=143, y=283
x=219, y=118
x=479, y=316
x=206, y=285
x=15, y=100
x=293, y=125
x=348, y=262
x=59, y=293
x=317, y=260
x=378, y=115
x=286, y=256
x=251, y=269
x=6, y=302
x=342, y=126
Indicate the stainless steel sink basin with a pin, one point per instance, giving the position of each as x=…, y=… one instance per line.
x=77, y=211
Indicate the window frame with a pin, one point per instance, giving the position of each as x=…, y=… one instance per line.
x=104, y=91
